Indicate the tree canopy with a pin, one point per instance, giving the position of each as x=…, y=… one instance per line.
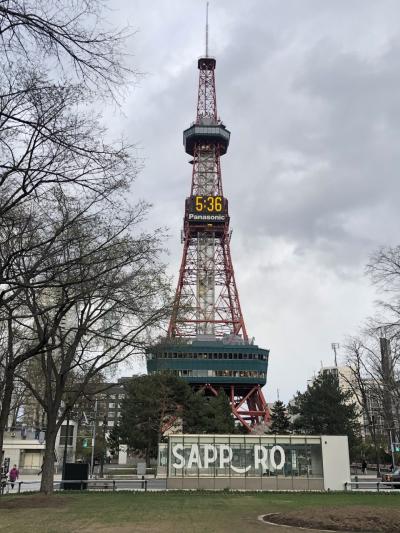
x=157, y=402
x=326, y=409
x=280, y=421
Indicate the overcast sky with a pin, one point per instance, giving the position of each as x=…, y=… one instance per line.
x=310, y=92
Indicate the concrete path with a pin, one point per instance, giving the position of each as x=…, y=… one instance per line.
x=31, y=483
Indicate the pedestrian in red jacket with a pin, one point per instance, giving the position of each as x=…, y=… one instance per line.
x=13, y=475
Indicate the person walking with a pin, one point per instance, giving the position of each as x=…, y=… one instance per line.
x=13, y=475
x=364, y=466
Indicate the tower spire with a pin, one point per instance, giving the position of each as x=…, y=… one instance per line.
x=207, y=29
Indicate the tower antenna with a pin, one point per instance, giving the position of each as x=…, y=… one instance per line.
x=207, y=29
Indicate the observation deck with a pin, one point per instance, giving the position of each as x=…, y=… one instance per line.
x=206, y=63
x=220, y=363
x=206, y=133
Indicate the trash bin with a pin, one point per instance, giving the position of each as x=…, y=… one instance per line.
x=76, y=472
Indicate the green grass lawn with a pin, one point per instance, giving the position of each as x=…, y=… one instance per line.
x=169, y=512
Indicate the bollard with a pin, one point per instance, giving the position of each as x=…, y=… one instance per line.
x=19, y=486
x=113, y=485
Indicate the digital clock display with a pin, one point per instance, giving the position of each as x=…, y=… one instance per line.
x=208, y=204
x=207, y=209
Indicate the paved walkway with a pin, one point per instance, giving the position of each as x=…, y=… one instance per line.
x=30, y=482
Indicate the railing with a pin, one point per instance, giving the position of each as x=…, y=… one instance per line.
x=25, y=434
x=371, y=466
x=378, y=485
x=102, y=484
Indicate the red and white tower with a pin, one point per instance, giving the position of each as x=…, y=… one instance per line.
x=207, y=319
x=207, y=300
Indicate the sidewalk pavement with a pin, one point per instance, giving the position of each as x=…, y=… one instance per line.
x=30, y=482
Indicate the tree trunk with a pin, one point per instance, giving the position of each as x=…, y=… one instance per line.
x=5, y=405
x=46, y=485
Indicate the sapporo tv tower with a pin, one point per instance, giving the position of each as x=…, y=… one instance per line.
x=207, y=343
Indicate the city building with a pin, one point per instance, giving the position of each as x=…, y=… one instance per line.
x=372, y=417
x=255, y=462
x=24, y=442
x=25, y=448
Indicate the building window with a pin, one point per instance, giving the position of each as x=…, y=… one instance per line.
x=63, y=434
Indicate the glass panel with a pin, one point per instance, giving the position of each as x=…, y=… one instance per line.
x=240, y=456
x=63, y=435
x=315, y=460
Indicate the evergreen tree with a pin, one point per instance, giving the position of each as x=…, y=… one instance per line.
x=326, y=409
x=151, y=401
x=209, y=414
x=280, y=421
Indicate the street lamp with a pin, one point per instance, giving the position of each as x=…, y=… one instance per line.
x=377, y=454
x=392, y=448
x=335, y=347
x=93, y=439
x=69, y=413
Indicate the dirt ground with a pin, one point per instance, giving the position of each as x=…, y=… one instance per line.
x=350, y=519
x=35, y=501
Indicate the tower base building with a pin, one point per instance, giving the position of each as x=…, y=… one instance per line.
x=210, y=364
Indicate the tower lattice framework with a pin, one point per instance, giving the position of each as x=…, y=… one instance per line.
x=207, y=299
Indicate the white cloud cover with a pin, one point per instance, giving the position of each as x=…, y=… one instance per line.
x=309, y=91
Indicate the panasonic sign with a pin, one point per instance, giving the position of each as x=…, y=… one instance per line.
x=195, y=217
x=221, y=455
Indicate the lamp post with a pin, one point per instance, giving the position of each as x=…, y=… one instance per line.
x=66, y=444
x=93, y=439
x=335, y=346
x=392, y=449
x=103, y=450
x=377, y=454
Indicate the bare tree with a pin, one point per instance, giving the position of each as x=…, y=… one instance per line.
x=384, y=270
x=80, y=286
x=364, y=385
x=47, y=138
x=108, y=292
x=373, y=366
x=36, y=219
x=68, y=32
x=48, y=150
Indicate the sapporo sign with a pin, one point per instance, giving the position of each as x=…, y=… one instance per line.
x=222, y=455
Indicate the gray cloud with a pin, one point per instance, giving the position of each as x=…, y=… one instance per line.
x=310, y=92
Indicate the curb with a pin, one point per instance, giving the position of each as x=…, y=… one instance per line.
x=262, y=516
